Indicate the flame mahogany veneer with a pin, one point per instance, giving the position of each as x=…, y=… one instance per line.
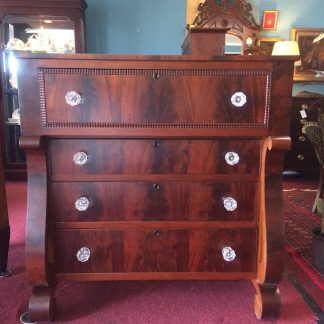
x=155, y=131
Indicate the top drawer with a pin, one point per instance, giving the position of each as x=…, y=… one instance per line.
x=145, y=97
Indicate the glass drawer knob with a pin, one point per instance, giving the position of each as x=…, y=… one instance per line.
x=73, y=98
x=238, y=99
x=83, y=254
x=82, y=204
x=228, y=253
x=301, y=138
x=80, y=158
x=300, y=157
x=232, y=158
x=230, y=203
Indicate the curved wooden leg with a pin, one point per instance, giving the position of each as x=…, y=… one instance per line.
x=41, y=304
x=4, y=247
x=267, y=302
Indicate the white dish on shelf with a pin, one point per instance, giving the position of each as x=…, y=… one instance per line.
x=14, y=121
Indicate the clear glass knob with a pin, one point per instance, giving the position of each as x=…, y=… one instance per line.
x=228, y=253
x=238, y=99
x=82, y=204
x=83, y=254
x=73, y=98
x=230, y=203
x=232, y=158
x=80, y=158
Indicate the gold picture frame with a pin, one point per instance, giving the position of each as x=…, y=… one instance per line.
x=311, y=65
x=265, y=44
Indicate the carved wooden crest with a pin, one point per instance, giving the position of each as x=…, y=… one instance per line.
x=234, y=14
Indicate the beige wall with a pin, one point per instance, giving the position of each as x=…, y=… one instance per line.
x=192, y=10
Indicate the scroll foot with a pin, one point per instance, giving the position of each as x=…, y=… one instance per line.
x=41, y=305
x=267, y=302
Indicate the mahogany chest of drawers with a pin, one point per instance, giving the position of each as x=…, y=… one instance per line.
x=144, y=167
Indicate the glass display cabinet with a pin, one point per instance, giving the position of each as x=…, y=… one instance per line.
x=33, y=26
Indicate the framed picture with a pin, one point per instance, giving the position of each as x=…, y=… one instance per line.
x=311, y=65
x=265, y=44
x=269, y=21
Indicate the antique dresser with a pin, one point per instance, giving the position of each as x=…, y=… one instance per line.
x=154, y=167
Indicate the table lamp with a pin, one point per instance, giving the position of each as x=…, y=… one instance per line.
x=287, y=48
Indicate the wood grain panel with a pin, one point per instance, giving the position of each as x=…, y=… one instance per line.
x=156, y=250
x=154, y=156
x=206, y=250
x=163, y=96
x=106, y=248
x=162, y=201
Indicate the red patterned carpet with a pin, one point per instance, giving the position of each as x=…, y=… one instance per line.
x=299, y=220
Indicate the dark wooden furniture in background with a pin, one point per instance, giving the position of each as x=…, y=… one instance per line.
x=16, y=17
x=4, y=224
x=205, y=41
x=302, y=158
x=236, y=15
x=154, y=168
x=310, y=107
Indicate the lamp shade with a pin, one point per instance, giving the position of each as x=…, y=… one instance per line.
x=285, y=48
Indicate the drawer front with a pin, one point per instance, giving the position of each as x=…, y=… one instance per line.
x=163, y=156
x=208, y=251
x=82, y=251
x=161, y=201
x=137, y=97
x=302, y=161
x=155, y=250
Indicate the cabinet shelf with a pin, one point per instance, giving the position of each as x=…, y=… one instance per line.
x=34, y=26
x=12, y=123
x=10, y=91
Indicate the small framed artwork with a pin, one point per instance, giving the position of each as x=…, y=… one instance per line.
x=266, y=44
x=311, y=48
x=269, y=21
